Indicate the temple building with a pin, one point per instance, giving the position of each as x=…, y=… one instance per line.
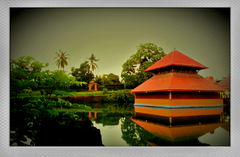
x=177, y=94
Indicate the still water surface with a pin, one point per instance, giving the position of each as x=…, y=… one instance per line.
x=118, y=127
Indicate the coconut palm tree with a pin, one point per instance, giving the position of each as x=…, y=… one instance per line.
x=93, y=59
x=61, y=59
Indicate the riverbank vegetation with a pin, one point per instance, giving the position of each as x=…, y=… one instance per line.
x=107, y=96
x=39, y=96
x=28, y=115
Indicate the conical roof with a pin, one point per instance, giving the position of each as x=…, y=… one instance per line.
x=178, y=59
x=178, y=82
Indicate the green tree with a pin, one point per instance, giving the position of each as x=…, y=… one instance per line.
x=112, y=79
x=92, y=60
x=133, y=69
x=61, y=59
x=22, y=63
x=98, y=79
x=37, y=66
x=83, y=73
x=109, y=79
x=23, y=74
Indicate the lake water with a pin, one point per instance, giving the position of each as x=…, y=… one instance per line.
x=116, y=125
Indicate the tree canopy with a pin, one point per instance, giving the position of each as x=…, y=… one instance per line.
x=83, y=73
x=26, y=75
x=26, y=65
x=133, y=69
x=111, y=79
x=107, y=79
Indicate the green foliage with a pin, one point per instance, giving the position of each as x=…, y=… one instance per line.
x=49, y=82
x=63, y=93
x=133, y=134
x=108, y=118
x=133, y=69
x=109, y=99
x=28, y=114
x=22, y=85
x=109, y=79
x=22, y=63
x=81, y=106
x=122, y=96
x=23, y=75
x=98, y=79
x=25, y=65
x=26, y=117
x=105, y=90
x=63, y=103
x=37, y=66
x=119, y=107
x=83, y=73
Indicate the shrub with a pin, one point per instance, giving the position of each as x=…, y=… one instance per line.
x=109, y=99
x=29, y=114
x=105, y=90
x=122, y=96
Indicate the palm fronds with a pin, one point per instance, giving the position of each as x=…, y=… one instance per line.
x=93, y=59
x=61, y=58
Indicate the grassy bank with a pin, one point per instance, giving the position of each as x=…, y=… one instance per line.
x=121, y=96
x=86, y=93
x=73, y=110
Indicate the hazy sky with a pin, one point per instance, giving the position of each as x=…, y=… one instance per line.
x=113, y=34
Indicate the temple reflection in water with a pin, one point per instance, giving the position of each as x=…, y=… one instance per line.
x=214, y=134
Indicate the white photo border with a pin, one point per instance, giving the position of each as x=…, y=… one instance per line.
x=6, y=150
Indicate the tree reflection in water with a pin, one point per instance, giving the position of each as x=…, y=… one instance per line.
x=108, y=118
x=133, y=134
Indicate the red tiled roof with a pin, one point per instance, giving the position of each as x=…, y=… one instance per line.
x=178, y=59
x=225, y=83
x=178, y=82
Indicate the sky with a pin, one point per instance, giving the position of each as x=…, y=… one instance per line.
x=113, y=34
